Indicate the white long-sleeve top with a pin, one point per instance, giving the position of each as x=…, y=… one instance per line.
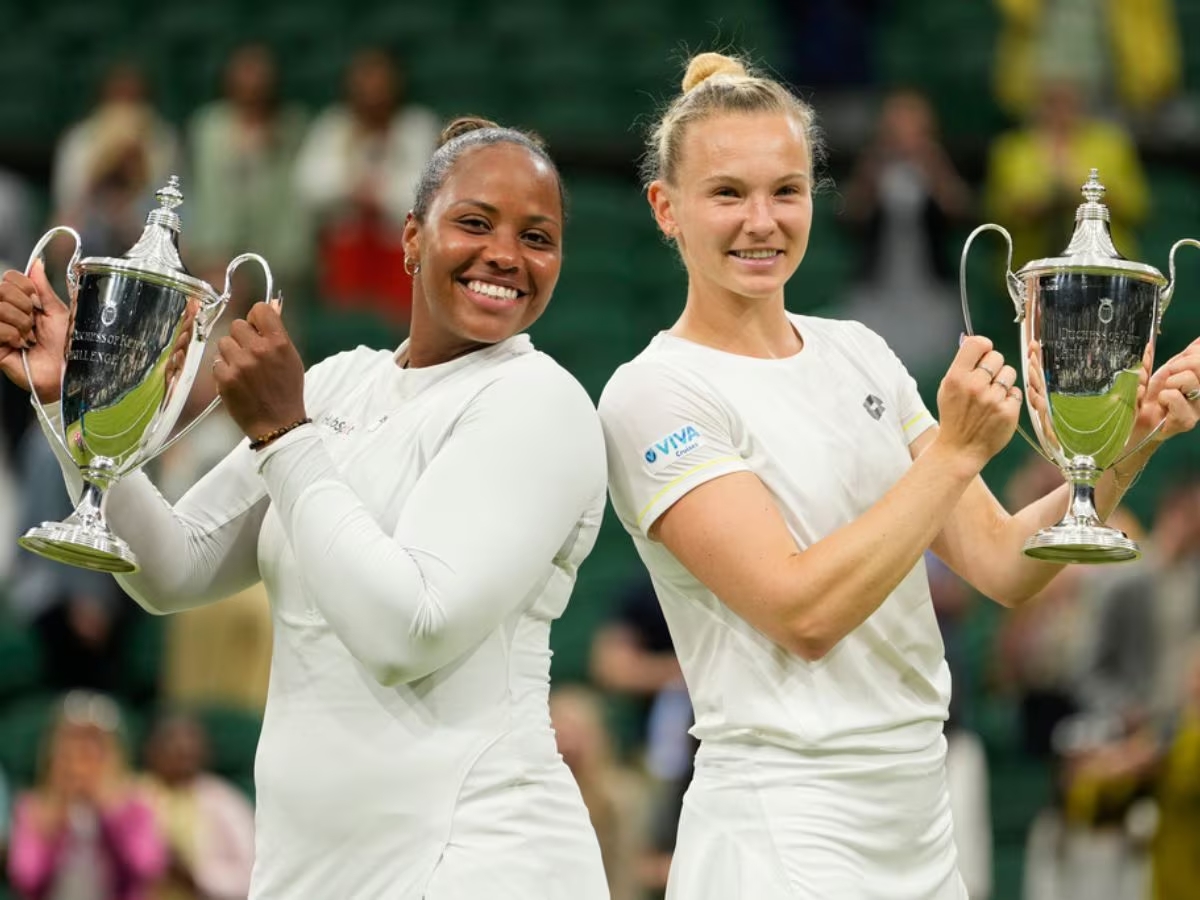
x=416, y=540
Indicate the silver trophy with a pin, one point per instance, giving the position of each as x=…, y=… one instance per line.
x=1089, y=322
x=132, y=321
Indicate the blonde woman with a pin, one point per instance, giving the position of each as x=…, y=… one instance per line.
x=84, y=831
x=781, y=480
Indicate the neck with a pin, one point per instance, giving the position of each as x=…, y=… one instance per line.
x=427, y=346
x=736, y=324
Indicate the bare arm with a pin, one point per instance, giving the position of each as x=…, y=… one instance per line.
x=732, y=537
x=982, y=541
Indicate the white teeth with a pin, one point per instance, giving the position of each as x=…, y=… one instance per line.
x=756, y=254
x=493, y=290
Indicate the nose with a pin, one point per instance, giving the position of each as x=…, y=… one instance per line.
x=502, y=250
x=759, y=220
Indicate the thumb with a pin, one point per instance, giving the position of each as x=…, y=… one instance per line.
x=48, y=300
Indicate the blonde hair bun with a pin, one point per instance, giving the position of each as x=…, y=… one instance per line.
x=705, y=65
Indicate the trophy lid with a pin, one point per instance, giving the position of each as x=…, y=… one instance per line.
x=1091, y=250
x=155, y=256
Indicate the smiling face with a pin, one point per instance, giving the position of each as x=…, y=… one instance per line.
x=740, y=207
x=490, y=251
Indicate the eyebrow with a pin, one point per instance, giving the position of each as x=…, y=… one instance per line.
x=722, y=176
x=494, y=211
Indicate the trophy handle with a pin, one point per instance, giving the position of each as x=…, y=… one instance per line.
x=1016, y=289
x=1164, y=298
x=1016, y=292
x=72, y=290
x=213, y=311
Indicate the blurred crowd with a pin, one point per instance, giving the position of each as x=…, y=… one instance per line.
x=1101, y=675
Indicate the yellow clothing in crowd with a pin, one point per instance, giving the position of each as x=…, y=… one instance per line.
x=1176, y=850
x=1144, y=54
x=1021, y=176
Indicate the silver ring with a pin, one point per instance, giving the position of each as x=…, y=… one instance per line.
x=986, y=369
x=1007, y=387
x=1192, y=395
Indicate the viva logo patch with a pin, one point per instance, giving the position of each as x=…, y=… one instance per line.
x=675, y=445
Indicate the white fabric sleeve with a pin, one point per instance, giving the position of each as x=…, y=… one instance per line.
x=203, y=549
x=476, y=535
x=915, y=417
x=665, y=436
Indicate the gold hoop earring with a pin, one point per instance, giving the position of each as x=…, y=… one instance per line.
x=411, y=266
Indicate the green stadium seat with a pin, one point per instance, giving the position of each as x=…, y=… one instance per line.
x=20, y=660
x=233, y=741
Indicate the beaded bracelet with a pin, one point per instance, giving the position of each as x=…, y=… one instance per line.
x=275, y=435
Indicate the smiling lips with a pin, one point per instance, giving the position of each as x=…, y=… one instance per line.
x=756, y=254
x=493, y=296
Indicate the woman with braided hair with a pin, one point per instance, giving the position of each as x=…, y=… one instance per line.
x=418, y=517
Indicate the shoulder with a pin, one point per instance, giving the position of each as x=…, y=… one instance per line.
x=649, y=377
x=845, y=333
x=343, y=372
x=347, y=363
x=536, y=383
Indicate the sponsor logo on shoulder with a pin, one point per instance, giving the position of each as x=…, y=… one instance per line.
x=676, y=445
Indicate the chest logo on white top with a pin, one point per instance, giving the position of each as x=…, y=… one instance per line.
x=336, y=425
x=874, y=406
x=676, y=445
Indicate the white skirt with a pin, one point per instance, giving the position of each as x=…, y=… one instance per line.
x=527, y=841
x=764, y=823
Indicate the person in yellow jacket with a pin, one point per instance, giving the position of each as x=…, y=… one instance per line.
x=1128, y=50
x=1165, y=767
x=1035, y=175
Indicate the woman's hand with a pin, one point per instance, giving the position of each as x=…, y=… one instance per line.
x=259, y=373
x=978, y=404
x=1164, y=399
x=33, y=318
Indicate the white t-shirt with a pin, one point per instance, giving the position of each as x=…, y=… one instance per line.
x=416, y=541
x=828, y=432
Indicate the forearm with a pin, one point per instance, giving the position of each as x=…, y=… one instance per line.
x=1013, y=578
x=837, y=583
x=406, y=603
x=372, y=592
x=444, y=575
x=199, y=551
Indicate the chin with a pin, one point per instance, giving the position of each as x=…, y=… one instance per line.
x=759, y=290
x=489, y=330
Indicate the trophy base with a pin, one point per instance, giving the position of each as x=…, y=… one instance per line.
x=1087, y=544
x=79, y=545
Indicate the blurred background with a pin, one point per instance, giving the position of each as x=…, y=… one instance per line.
x=298, y=128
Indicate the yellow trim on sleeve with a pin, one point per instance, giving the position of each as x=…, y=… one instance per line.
x=915, y=419
x=674, y=481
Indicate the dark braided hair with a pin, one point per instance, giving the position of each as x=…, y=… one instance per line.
x=466, y=133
